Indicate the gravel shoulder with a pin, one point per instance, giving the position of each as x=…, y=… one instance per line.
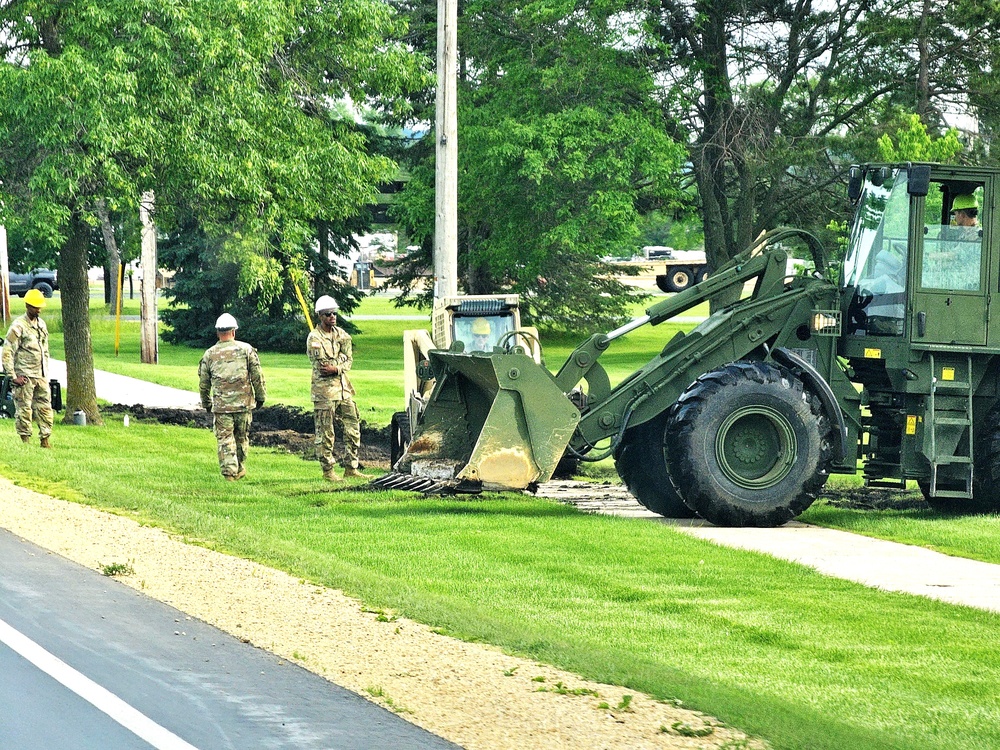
x=471, y=694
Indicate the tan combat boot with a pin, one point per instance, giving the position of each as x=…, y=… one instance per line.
x=351, y=472
x=330, y=476
x=25, y=438
x=241, y=473
x=45, y=442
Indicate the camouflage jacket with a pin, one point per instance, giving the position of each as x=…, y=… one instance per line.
x=229, y=377
x=333, y=348
x=26, y=350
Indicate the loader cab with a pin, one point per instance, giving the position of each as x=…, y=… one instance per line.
x=917, y=272
x=478, y=322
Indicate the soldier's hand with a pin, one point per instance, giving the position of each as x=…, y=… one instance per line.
x=20, y=380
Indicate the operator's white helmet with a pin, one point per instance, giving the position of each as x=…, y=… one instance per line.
x=326, y=302
x=226, y=322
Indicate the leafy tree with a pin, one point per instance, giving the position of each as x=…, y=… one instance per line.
x=914, y=143
x=776, y=99
x=226, y=105
x=559, y=154
x=762, y=93
x=207, y=284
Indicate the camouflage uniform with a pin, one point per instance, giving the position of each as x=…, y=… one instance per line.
x=333, y=396
x=231, y=384
x=26, y=352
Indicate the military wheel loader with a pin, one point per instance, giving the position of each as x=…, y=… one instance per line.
x=741, y=420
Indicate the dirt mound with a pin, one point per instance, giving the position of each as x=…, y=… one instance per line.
x=287, y=428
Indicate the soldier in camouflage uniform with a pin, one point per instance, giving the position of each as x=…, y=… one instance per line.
x=231, y=385
x=26, y=360
x=330, y=351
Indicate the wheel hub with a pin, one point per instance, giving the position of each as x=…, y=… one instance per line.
x=755, y=447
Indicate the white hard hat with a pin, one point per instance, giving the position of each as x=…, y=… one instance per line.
x=225, y=322
x=326, y=302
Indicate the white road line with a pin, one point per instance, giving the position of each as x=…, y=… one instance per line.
x=136, y=722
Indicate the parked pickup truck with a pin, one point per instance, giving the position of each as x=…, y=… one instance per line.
x=41, y=279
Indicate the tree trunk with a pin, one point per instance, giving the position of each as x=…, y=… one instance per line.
x=715, y=147
x=149, y=334
x=112, y=267
x=81, y=393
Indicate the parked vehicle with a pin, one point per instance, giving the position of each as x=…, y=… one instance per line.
x=42, y=279
x=681, y=268
x=741, y=420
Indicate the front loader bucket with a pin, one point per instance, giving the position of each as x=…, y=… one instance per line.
x=496, y=421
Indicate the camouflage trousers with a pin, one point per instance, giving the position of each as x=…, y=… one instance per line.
x=33, y=399
x=232, y=433
x=347, y=413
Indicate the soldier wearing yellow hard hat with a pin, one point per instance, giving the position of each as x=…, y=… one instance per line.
x=965, y=211
x=26, y=360
x=480, y=335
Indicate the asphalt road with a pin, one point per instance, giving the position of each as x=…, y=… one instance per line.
x=86, y=662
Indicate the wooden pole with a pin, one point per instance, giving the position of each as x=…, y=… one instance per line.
x=147, y=288
x=446, y=150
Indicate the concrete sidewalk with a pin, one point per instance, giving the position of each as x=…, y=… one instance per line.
x=889, y=566
x=120, y=389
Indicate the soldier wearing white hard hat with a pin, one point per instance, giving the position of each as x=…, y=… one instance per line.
x=26, y=360
x=330, y=351
x=231, y=385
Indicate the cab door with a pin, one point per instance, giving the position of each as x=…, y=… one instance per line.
x=951, y=284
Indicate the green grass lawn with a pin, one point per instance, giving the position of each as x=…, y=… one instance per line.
x=801, y=659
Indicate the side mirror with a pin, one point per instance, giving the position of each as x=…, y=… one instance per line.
x=920, y=181
x=854, y=184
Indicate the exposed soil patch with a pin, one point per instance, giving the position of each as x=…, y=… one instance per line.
x=875, y=498
x=284, y=427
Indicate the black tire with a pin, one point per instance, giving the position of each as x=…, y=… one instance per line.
x=44, y=287
x=750, y=445
x=702, y=273
x=986, y=465
x=399, y=436
x=567, y=467
x=678, y=278
x=643, y=468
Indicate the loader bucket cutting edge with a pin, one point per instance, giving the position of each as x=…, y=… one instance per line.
x=495, y=419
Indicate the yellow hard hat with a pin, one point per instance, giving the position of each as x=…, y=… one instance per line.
x=34, y=298
x=963, y=202
x=480, y=327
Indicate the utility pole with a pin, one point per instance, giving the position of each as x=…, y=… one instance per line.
x=147, y=287
x=446, y=163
